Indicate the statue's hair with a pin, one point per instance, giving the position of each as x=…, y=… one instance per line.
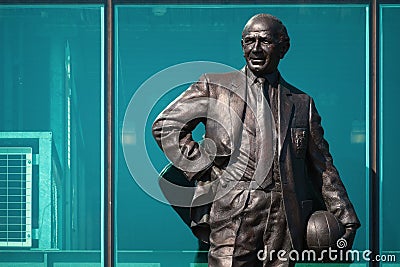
x=283, y=34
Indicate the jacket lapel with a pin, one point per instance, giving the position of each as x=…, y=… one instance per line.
x=237, y=101
x=285, y=105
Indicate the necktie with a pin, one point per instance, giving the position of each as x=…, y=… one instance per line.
x=265, y=137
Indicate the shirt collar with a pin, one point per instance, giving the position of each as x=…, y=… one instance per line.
x=272, y=78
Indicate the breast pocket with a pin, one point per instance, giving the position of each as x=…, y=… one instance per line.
x=300, y=142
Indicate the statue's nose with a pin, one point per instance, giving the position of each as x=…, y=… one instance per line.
x=257, y=46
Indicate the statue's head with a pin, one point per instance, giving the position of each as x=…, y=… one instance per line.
x=265, y=42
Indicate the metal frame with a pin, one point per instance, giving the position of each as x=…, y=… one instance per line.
x=109, y=244
x=374, y=152
x=164, y=2
x=374, y=178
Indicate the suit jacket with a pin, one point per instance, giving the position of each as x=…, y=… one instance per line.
x=309, y=179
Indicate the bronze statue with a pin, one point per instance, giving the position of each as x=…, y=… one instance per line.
x=264, y=157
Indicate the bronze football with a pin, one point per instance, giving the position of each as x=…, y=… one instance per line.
x=323, y=231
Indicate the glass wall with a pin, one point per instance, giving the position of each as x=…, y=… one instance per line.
x=161, y=50
x=389, y=83
x=51, y=124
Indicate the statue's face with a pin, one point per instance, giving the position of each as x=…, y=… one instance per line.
x=261, y=47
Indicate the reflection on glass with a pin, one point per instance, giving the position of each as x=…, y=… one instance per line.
x=327, y=59
x=390, y=80
x=50, y=95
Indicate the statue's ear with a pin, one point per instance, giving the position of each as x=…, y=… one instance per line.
x=283, y=48
x=241, y=42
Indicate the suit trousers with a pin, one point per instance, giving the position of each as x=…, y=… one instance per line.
x=249, y=234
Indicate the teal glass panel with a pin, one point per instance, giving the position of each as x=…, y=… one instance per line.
x=51, y=73
x=160, y=50
x=389, y=81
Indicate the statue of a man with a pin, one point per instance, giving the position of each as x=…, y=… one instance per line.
x=264, y=153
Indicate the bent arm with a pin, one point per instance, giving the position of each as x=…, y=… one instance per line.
x=173, y=128
x=324, y=174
